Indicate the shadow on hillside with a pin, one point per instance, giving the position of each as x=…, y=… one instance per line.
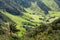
x=25, y=3
x=9, y=8
x=13, y=7
x=43, y=7
x=5, y=18
x=58, y=2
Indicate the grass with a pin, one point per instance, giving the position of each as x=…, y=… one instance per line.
x=34, y=9
x=54, y=13
x=18, y=20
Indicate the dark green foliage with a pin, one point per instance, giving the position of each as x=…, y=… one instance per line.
x=13, y=28
x=4, y=31
x=56, y=21
x=44, y=32
x=8, y=31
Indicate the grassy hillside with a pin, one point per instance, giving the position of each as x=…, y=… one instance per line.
x=25, y=19
x=21, y=20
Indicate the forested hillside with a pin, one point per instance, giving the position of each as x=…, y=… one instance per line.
x=29, y=19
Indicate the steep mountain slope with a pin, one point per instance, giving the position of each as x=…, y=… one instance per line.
x=19, y=6
x=10, y=6
x=26, y=15
x=4, y=18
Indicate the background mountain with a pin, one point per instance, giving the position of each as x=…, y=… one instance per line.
x=22, y=16
x=28, y=5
